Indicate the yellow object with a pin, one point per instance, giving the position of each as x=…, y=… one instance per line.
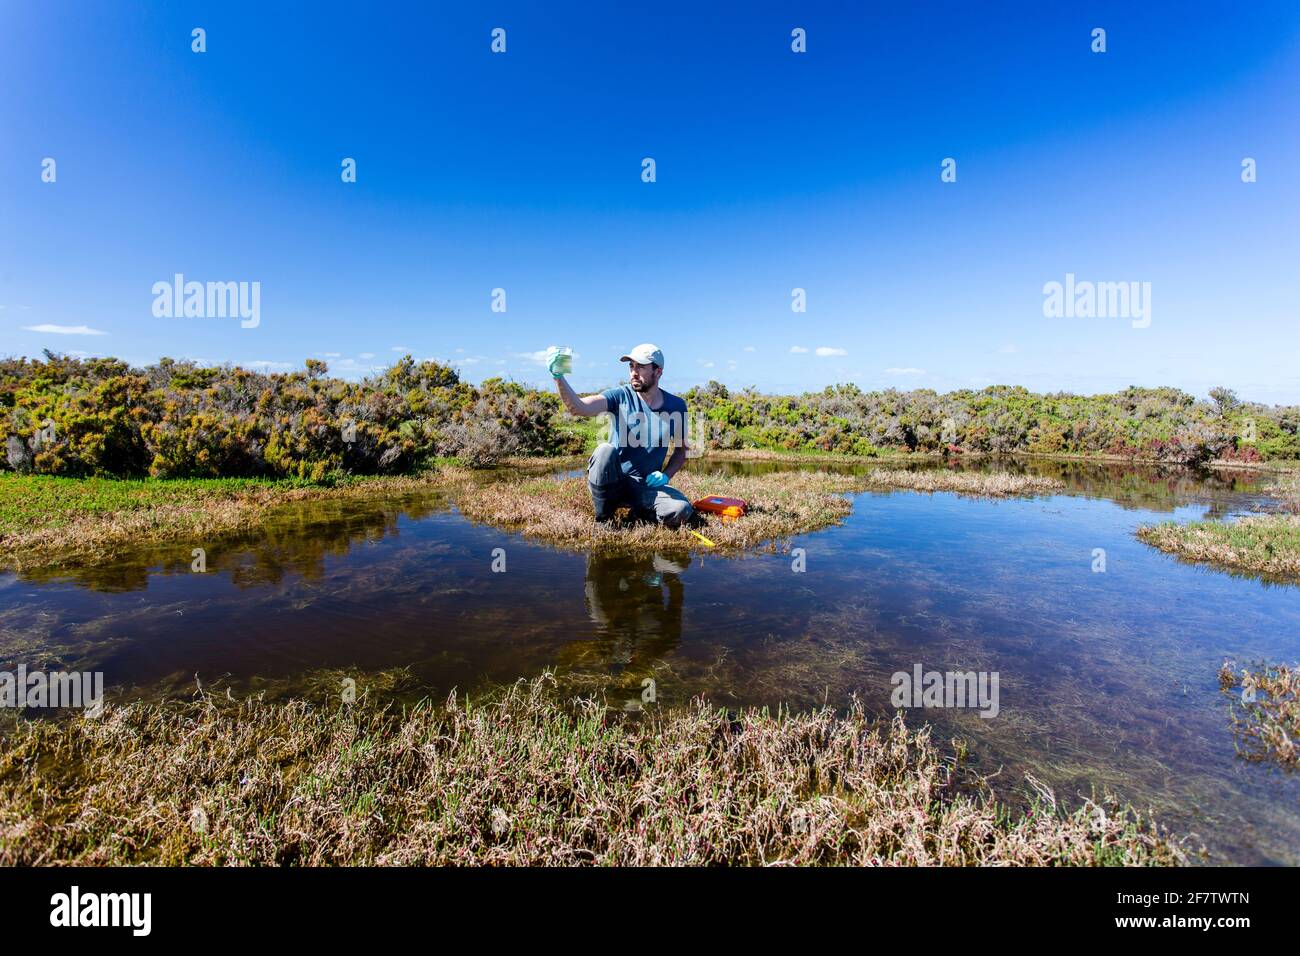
x=702, y=538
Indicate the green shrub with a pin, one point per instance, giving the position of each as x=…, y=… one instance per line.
x=65, y=416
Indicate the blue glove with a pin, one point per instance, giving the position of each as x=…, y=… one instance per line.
x=656, y=479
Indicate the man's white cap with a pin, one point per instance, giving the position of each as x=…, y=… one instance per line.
x=645, y=354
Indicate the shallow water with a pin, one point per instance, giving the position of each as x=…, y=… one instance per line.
x=1107, y=680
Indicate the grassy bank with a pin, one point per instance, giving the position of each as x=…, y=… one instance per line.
x=520, y=780
x=1266, y=721
x=1261, y=544
x=976, y=484
x=782, y=504
x=71, y=521
x=1266, y=544
x=47, y=520
x=559, y=510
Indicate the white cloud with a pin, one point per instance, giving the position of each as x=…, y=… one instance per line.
x=329, y=354
x=798, y=349
x=825, y=350
x=749, y=348
x=905, y=371
x=63, y=329
x=263, y=363
x=539, y=356
x=399, y=348
x=366, y=355
x=1008, y=349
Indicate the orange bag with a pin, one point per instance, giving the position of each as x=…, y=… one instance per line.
x=727, y=508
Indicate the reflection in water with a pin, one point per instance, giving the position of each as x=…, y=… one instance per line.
x=296, y=538
x=1108, y=680
x=635, y=603
x=1149, y=487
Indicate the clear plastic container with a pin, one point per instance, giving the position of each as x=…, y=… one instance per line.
x=565, y=365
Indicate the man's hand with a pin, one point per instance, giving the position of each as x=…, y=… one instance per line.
x=582, y=407
x=556, y=362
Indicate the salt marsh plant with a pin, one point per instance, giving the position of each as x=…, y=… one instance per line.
x=522, y=778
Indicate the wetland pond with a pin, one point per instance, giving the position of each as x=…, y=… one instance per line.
x=1108, y=679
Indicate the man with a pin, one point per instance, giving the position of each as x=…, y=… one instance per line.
x=629, y=468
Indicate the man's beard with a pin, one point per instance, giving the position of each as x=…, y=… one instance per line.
x=639, y=386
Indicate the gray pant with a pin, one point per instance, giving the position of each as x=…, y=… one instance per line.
x=610, y=489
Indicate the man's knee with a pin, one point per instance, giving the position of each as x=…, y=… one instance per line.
x=604, y=480
x=602, y=469
x=675, y=513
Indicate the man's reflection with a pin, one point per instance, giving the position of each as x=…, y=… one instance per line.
x=635, y=602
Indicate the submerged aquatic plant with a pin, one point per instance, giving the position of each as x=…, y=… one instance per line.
x=1266, y=716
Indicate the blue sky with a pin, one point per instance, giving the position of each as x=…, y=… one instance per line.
x=775, y=170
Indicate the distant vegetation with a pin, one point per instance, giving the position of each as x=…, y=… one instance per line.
x=1156, y=424
x=100, y=416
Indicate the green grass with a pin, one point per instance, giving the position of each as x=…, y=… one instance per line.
x=30, y=500
x=1263, y=544
x=47, y=520
x=591, y=430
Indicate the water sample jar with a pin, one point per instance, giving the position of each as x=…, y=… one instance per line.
x=565, y=365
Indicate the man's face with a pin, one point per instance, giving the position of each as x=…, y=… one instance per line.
x=644, y=377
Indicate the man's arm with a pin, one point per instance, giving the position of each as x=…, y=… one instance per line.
x=586, y=407
x=675, y=462
x=681, y=447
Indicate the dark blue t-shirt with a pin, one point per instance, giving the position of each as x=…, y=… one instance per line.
x=643, y=436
